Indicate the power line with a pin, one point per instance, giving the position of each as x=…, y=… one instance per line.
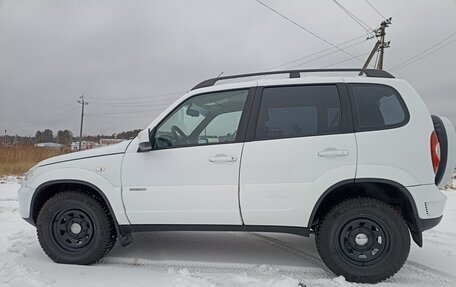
x=320, y=51
x=137, y=106
x=119, y=116
x=422, y=57
x=411, y=59
x=59, y=113
x=356, y=19
x=305, y=29
x=127, y=112
x=48, y=111
x=376, y=10
x=117, y=104
x=343, y=61
x=324, y=55
x=134, y=98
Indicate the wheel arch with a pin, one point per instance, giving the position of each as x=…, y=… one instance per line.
x=48, y=189
x=385, y=190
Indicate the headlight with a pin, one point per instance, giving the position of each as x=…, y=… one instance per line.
x=28, y=175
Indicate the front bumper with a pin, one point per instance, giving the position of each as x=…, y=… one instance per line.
x=24, y=197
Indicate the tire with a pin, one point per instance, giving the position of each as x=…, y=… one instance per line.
x=75, y=228
x=364, y=240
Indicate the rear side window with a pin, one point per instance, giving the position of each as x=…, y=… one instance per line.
x=377, y=107
x=297, y=111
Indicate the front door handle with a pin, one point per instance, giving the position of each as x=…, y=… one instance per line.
x=332, y=152
x=222, y=158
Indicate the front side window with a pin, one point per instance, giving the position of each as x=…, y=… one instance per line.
x=297, y=111
x=204, y=119
x=377, y=107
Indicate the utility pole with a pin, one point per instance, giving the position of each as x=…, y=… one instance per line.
x=380, y=45
x=83, y=103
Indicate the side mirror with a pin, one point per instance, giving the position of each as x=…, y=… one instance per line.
x=145, y=138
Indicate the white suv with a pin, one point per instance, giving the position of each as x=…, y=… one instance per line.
x=356, y=160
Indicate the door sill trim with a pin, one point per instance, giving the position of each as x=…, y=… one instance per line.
x=133, y=228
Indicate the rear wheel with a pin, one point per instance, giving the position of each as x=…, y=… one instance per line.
x=363, y=239
x=75, y=228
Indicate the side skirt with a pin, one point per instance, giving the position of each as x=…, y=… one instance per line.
x=128, y=229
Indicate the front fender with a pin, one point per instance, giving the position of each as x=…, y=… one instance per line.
x=112, y=194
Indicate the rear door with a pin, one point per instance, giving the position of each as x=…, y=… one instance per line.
x=299, y=143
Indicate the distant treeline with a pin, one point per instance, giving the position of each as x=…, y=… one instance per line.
x=62, y=137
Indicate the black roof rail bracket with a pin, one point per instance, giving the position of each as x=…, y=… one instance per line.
x=294, y=75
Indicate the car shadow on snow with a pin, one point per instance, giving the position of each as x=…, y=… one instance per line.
x=221, y=247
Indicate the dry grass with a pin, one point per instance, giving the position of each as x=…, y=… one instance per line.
x=17, y=160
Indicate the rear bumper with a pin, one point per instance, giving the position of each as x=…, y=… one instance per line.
x=429, y=200
x=429, y=223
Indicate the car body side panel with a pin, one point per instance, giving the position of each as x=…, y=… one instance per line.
x=281, y=180
x=182, y=185
x=399, y=154
x=102, y=172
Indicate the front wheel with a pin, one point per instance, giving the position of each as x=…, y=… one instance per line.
x=75, y=228
x=363, y=239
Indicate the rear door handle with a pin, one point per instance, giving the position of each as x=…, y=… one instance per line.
x=222, y=158
x=332, y=152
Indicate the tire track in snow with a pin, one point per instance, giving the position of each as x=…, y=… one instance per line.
x=317, y=272
x=430, y=274
x=284, y=247
x=13, y=272
x=426, y=273
x=411, y=274
x=211, y=267
x=441, y=239
x=320, y=271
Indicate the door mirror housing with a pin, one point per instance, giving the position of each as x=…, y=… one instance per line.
x=145, y=138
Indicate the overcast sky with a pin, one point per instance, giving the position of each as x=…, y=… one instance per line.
x=128, y=57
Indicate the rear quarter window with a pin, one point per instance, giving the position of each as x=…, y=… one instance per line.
x=377, y=107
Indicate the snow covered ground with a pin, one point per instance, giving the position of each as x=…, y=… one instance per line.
x=232, y=259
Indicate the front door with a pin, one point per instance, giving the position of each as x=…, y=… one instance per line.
x=192, y=174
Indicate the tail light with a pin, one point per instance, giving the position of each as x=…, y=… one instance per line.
x=435, y=151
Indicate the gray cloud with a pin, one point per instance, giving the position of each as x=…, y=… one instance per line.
x=53, y=51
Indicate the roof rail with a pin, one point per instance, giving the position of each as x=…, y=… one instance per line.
x=296, y=74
